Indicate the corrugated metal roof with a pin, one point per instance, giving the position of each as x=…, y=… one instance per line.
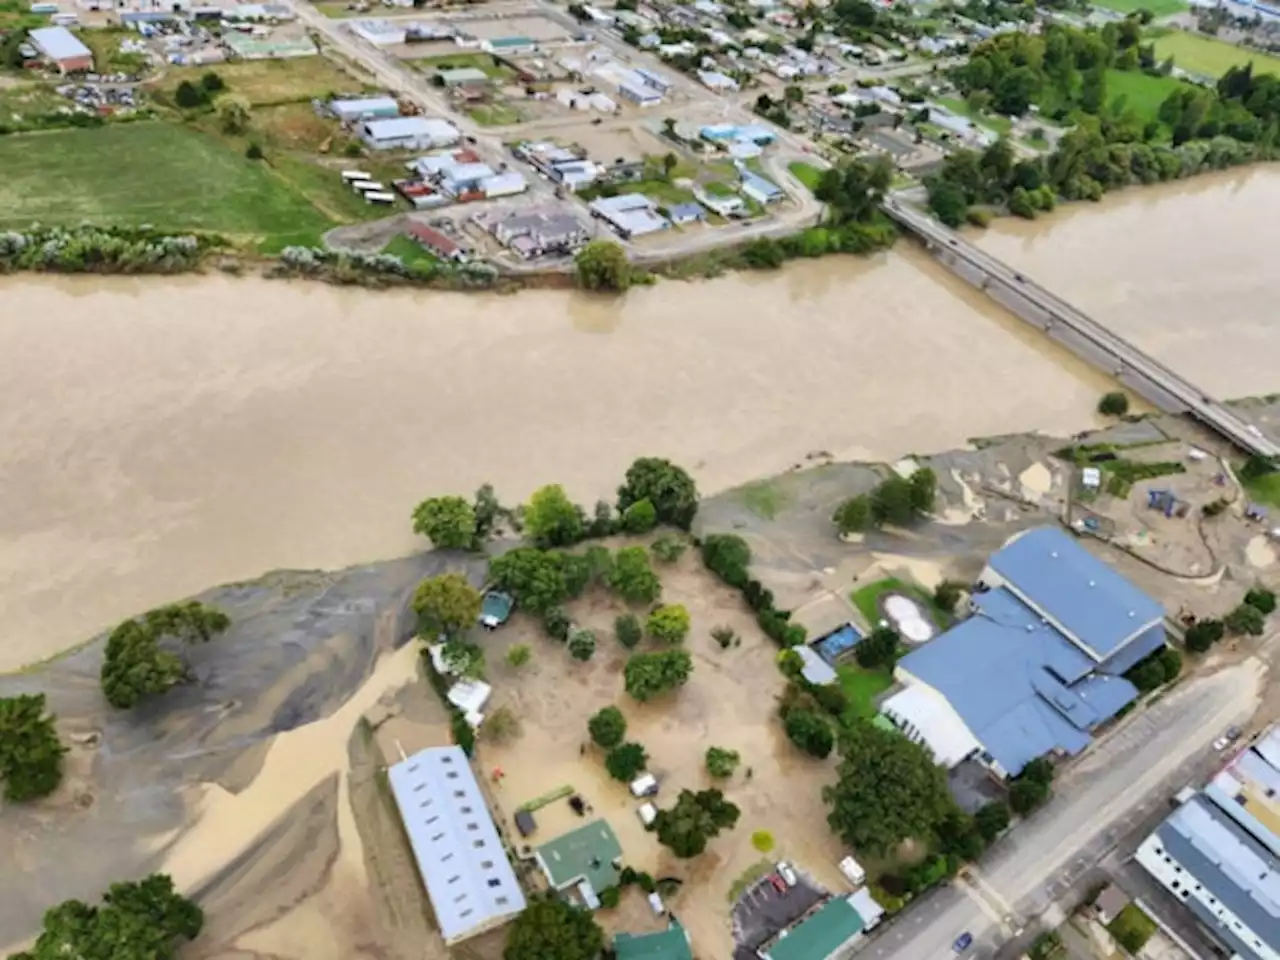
x=460, y=856
x=669, y=944
x=398, y=127
x=819, y=936
x=1066, y=583
x=588, y=853
x=59, y=43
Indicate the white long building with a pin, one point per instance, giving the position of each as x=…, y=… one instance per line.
x=460, y=856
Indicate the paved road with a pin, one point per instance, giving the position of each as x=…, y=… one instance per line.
x=1122, y=783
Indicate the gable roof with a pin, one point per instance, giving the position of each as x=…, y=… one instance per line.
x=819, y=936
x=460, y=856
x=669, y=944
x=1061, y=580
x=59, y=43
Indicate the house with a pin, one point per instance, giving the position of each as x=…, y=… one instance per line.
x=1108, y=904
x=669, y=944
x=630, y=214
x=1037, y=667
x=827, y=931
x=506, y=184
x=455, y=843
x=588, y=860
x=463, y=77
x=651, y=78
x=1219, y=853
x=381, y=33
x=537, y=233
x=366, y=108
x=639, y=93
x=759, y=189
x=62, y=48
x=409, y=133
x=724, y=206
x=717, y=82
x=686, y=213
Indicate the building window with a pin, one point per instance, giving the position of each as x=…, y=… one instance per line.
x=501, y=901
x=445, y=759
x=437, y=838
x=473, y=826
x=464, y=810
x=452, y=775
x=459, y=793
x=493, y=882
x=455, y=878
x=478, y=844
x=486, y=865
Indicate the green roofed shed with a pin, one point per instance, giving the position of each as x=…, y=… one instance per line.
x=669, y=944
x=821, y=935
x=591, y=853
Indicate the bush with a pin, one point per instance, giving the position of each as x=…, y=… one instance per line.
x=557, y=623
x=1203, y=634
x=1132, y=928
x=1114, y=404
x=1245, y=619
x=1261, y=599
x=646, y=675
x=627, y=629
x=625, y=761
x=253, y=151
x=640, y=517
x=810, y=732
x=463, y=735
x=669, y=623
x=879, y=649
x=610, y=897
x=724, y=636
x=832, y=698
x=582, y=644
x=668, y=548
x=633, y=578
x=722, y=762
x=1027, y=795
x=947, y=594
x=991, y=820
x=212, y=82
x=727, y=556
x=854, y=515
x=519, y=655
x=762, y=840
x=607, y=727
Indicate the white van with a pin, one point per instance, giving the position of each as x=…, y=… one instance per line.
x=853, y=871
x=645, y=785
x=647, y=813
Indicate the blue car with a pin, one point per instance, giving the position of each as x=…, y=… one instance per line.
x=963, y=942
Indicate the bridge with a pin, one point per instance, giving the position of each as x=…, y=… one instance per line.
x=1166, y=389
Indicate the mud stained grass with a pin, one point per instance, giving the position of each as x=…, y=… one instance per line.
x=145, y=173
x=269, y=81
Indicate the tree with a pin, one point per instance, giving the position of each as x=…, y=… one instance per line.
x=557, y=624
x=625, y=761
x=446, y=605
x=134, y=665
x=137, y=921
x=190, y=622
x=649, y=674
x=1245, y=619
x=212, y=83
x=1203, y=634
x=879, y=649
x=607, y=727
x=534, y=577
x=854, y=515
x=992, y=819
x=519, y=655
x=551, y=927
x=640, y=517
x=889, y=790
x=668, y=548
x=1114, y=404
x=189, y=96
x=253, y=151
x=603, y=265
x=669, y=623
x=30, y=752
x=695, y=819
x=582, y=644
x=233, y=114
x=1026, y=795
x=669, y=163
x=948, y=202
x=1262, y=599
x=486, y=509
x=809, y=731
x=448, y=522
x=1132, y=928
x=633, y=578
x=721, y=762
x=628, y=630
x=551, y=519
x=668, y=487
x=728, y=557
x=947, y=594
x=924, y=489
x=464, y=658
x=893, y=501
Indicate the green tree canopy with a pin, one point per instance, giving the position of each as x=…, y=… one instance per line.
x=854, y=515
x=534, y=577
x=448, y=522
x=146, y=920
x=551, y=519
x=947, y=594
x=628, y=630
x=602, y=265
x=640, y=517
x=991, y=820
x=894, y=501
x=582, y=644
x=668, y=548
x=446, y=604
x=695, y=819
x=924, y=489
x=889, y=790
x=649, y=674
x=632, y=576
x=233, y=113
x=30, y=751
x=879, y=649
x=134, y=665
x=728, y=557
x=625, y=761
x=1114, y=404
x=669, y=623
x=607, y=727
x=1245, y=619
x=551, y=927
x=809, y=731
x=721, y=762
x=668, y=487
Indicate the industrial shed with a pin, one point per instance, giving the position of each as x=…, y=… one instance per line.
x=63, y=49
x=409, y=133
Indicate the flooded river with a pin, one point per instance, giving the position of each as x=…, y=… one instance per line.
x=164, y=435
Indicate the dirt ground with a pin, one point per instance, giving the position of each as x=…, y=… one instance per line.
x=725, y=703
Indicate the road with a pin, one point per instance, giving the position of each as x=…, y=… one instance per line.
x=1116, y=787
x=1183, y=395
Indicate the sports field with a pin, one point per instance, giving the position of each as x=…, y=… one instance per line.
x=1160, y=8
x=153, y=173
x=1211, y=58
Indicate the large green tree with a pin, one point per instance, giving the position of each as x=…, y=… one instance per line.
x=626, y=761
x=889, y=790
x=668, y=487
x=607, y=727
x=809, y=731
x=649, y=674
x=534, y=577
x=551, y=927
x=134, y=664
x=728, y=556
x=146, y=920
x=446, y=605
x=448, y=522
x=669, y=623
x=30, y=752
x=603, y=265
x=695, y=819
x=551, y=519
x=632, y=576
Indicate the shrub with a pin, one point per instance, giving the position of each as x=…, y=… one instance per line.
x=253, y=151
x=1262, y=599
x=854, y=515
x=758, y=596
x=610, y=897
x=991, y=820
x=947, y=594
x=762, y=840
x=1203, y=634
x=722, y=762
x=878, y=649
x=463, y=735
x=633, y=578
x=668, y=548
x=607, y=727
x=646, y=675
x=669, y=623
x=640, y=517
x=1132, y=928
x=832, y=698
x=625, y=761
x=582, y=644
x=1245, y=619
x=810, y=732
x=519, y=655
x=724, y=636
x=627, y=629
x=557, y=623
x=1114, y=404
x=727, y=556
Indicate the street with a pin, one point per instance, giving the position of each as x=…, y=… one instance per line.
x=1122, y=785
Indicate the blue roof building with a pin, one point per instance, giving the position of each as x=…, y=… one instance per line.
x=1037, y=666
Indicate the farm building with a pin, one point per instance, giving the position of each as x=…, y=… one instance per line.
x=366, y=108
x=381, y=33
x=269, y=48
x=459, y=854
x=1038, y=666
x=62, y=48
x=409, y=133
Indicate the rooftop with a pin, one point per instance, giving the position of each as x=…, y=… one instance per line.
x=1248, y=790
x=459, y=854
x=397, y=127
x=1093, y=604
x=588, y=853
x=59, y=43
x=821, y=935
x=463, y=75
x=669, y=944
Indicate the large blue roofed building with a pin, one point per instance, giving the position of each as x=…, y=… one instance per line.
x=1037, y=666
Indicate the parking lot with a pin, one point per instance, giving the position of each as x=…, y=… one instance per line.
x=763, y=910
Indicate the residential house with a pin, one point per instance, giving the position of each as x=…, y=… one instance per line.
x=683, y=213
x=463, y=77
x=669, y=944
x=639, y=93
x=717, y=82
x=586, y=860
x=539, y=233
x=630, y=214
x=759, y=189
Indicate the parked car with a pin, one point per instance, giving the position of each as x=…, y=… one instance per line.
x=778, y=883
x=963, y=942
x=787, y=874
x=1221, y=744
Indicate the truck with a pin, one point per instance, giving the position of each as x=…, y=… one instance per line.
x=495, y=608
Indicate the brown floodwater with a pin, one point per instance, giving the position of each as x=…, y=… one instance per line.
x=164, y=435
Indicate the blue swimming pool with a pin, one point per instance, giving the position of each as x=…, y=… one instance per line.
x=837, y=643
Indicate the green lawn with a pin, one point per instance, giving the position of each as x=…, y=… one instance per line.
x=1264, y=489
x=494, y=115
x=862, y=687
x=1161, y=8
x=807, y=174
x=867, y=598
x=456, y=61
x=146, y=173
x=993, y=121
x=1210, y=57
x=409, y=250
x=1142, y=93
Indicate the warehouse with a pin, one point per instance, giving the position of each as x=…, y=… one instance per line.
x=459, y=854
x=409, y=133
x=63, y=49
x=365, y=108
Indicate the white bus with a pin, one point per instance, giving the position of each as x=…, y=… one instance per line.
x=350, y=176
x=376, y=197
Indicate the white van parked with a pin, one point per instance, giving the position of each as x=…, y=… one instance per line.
x=645, y=785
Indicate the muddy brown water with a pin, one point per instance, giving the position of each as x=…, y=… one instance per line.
x=162, y=435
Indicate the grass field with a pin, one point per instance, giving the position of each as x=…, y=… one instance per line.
x=456, y=61
x=1161, y=8
x=1209, y=57
x=867, y=599
x=494, y=115
x=992, y=121
x=107, y=55
x=409, y=250
x=146, y=173
x=270, y=81
x=1143, y=94
x=862, y=687
x=1264, y=489
x=807, y=174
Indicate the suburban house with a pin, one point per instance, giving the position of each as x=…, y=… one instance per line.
x=669, y=944
x=537, y=233
x=686, y=213
x=587, y=860
x=1219, y=853
x=630, y=214
x=365, y=108
x=828, y=931
x=1038, y=665
x=409, y=133
x=62, y=48
x=460, y=856
x=759, y=189
x=432, y=240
